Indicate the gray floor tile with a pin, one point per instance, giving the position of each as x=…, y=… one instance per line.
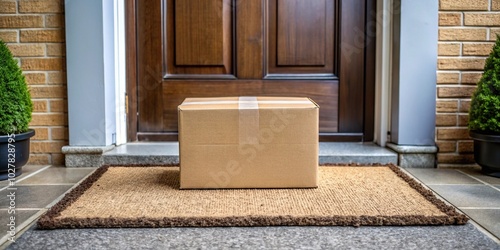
x=33, y=196
x=27, y=170
x=20, y=217
x=476, y=172
x=58, y=175
x=441, y=176
x=4, y=183
x=488, y=218
x=469, y=195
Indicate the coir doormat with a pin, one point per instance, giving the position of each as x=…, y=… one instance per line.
x=118, y=196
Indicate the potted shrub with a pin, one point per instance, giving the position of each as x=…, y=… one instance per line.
x=484, y=115
x=15, y=115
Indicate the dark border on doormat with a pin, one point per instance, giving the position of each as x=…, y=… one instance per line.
x=49, y=219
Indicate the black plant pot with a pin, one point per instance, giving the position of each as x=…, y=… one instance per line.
x=487, y=152
x=14, y=150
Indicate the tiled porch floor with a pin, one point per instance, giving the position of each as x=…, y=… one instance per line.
x=472, y=192
x=476, y=195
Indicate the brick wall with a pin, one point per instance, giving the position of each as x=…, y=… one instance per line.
x=467, y=31
x=34, y=31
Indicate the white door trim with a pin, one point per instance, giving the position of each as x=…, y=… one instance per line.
x=120, y=71
x=383, y=71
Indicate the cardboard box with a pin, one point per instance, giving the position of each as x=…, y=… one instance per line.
x=248, y=142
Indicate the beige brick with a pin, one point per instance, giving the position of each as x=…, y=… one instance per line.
x=39, y=159
x=40, y=106
x=27, y=49
x=455, y=92
x=453, y=134
x=450, y=19
x=466, y=147
x=495, y=4
x=456, y=159
x=41, y=134
x=57, y=159
x=42, y=64
x=448, y=78
x=48, y=92
x=446, y=146
x=7, y=6
x=494, y=33
x=446, y=106
x=449, y=49
x=52, y=36
x=8, y=36
x=446, y=120
x=58, y=106
x=59, y=133
x=47, y=147
x=56, y=49
x=477, y=49
x=54, y=21
x=463, y=120
x=57, y=78
x=49, y=120
x=462, y=34
x=21, y=21
x=482, y=19
x=463, y=4
x=35, y=78
x=471, y=77
x=41, y=6
x=461, y=63
x=464, y=106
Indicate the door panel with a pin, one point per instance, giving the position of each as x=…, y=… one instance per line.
x=352, y=67
x=199, y=38
x=295, y=19
x=199, y=32
x=149, y=66
x=249, y=39
x=206, y=48
x=301, y=39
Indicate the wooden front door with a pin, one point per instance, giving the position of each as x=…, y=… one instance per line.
x=202, y=48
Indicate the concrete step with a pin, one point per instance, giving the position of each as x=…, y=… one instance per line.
x=149, y=153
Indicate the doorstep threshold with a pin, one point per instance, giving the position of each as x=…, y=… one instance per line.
x=166, y=153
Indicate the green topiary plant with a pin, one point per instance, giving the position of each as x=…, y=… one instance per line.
x=484, y=114
x=15, y=98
